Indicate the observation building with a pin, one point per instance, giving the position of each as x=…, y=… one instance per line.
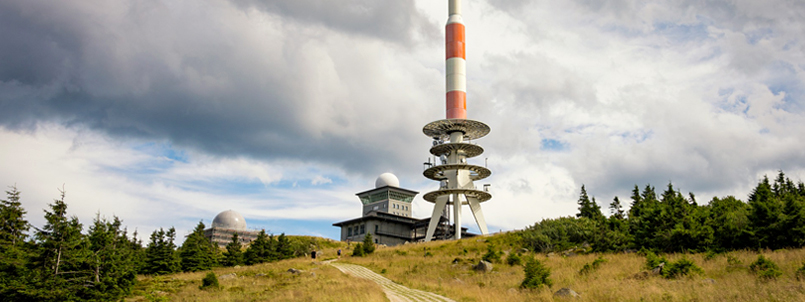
x=226, y=224
x=386, y=214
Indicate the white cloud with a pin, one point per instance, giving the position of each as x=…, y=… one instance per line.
x=280, y=114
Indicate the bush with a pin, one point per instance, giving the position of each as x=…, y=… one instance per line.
x=710, y=255
x=210, y=281
x=514, y=259
x=801, y=272
x=652, y=260
x=536, y=275
x=765, y=269
x=368, y=244
x=590, y=267
x=492, y=255
x=550, y=235
x=358, y=250
x=680, y=268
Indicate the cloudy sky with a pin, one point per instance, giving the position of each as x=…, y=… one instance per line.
x=165, y=113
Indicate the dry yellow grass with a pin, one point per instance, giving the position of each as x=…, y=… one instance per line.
x=409, y=265
x=317, y=282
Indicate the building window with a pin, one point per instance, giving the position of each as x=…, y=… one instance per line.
x=349, y=231
x=363, y=229
x=376, y=229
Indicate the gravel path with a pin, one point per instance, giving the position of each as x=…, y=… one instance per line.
x=395, y=292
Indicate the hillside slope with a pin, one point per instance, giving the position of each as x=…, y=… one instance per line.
x=445, y=268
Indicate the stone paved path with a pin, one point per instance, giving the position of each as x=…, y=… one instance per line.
x=395, y=292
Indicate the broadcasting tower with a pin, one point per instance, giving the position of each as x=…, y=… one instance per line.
x=451, y=140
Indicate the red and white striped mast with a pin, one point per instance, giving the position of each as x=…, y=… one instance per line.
x=450, y=140
x=455, y=44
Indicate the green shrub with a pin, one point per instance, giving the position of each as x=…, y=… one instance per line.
x=680, y=268
x=514, y=259
x=801, y=272
x=383, y=271
x=368, y=244
x=765, y=269
x=536, y=275
x=492, y=254
x=710, y=255
x=551, y=235
x=210, y=281
x=652, y=260
x=358, y=250
x=733, y=263
x=590, y=267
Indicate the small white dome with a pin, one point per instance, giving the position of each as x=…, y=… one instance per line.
x=229, y=220
x=387, y=179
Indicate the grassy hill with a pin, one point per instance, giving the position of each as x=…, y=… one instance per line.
x=446, y=268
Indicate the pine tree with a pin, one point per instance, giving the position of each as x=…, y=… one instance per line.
x=12, y=219
x=137, y=252
x=257, y=252
x=14, y=251
x=62, y=255
x=368, y=244
x=766, y=215
x=198, y=253
x=234, y=252
x=644, y=217
x=160, y=255
x=111, y=262
x=536, y=275
x=729, y=218
x=589, y=208
x=284, y=248
x=616, y=209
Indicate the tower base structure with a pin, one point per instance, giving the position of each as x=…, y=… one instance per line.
x=452, y=144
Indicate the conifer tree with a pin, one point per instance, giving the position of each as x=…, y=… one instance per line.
x=198, y=253
x=616, y=209
x=729, y=218
x=234, y=252
x=14, y=250
x=766, y=215
x=110, y=261
x=589, y=208
x=368, y=244
x=257, y=252
x=160, y=255
x=284, y=248
x=61, y=254
x=12, y=219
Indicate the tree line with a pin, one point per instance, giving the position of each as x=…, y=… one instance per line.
x=773, y=217
x=61, y=262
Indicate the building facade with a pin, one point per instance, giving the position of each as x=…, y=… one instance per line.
x=386, y=214
x=225, y=225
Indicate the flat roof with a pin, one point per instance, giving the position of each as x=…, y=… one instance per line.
x=390, y=188
x=375, y=215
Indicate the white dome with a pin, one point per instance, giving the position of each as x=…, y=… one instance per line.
x=387, y=179
x=229, y=220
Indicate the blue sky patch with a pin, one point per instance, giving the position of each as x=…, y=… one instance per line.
x=552, y=145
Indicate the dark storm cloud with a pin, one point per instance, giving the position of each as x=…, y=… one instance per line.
x=396, y=21
x=197, y=77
